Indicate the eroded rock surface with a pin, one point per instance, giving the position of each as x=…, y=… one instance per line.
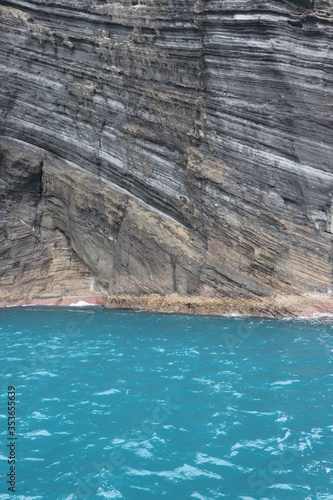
x=160, y=146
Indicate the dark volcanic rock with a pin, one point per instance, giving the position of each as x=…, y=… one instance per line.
x=166, y=146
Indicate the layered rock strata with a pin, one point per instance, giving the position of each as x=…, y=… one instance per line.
x=163, y=146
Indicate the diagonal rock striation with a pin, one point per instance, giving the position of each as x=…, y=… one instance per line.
x=163, y=146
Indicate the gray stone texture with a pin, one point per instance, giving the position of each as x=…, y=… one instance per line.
x=164, y=146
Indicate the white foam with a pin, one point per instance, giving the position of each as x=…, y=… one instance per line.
x=287, y=434
x=35, y=434
x=304, y=445
x=285, y=382
x=282, y=486
x=316, y=433
x=282, y=419
x=144, y=453
x=290, y=487
x=118, y=441
x=188, y=472
x=81, y=303
x=45, y=373
x=39, y=416
x=109, y=494
x=315, y=315
x=322, y=315
x=204, y=381
x=106, y=393
x=202, y=459
x=197, y=495
x=184, y=472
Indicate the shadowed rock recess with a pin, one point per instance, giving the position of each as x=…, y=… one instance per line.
x=166, y=146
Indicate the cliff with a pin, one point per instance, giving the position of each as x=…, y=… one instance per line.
x=166, y=146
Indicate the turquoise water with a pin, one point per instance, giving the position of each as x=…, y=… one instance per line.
x=131, y=405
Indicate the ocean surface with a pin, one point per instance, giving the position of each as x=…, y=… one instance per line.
x=132, y=405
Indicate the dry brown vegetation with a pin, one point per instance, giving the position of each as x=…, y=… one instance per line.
x=277, y=306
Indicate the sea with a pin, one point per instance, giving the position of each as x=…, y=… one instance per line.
x=98, y=403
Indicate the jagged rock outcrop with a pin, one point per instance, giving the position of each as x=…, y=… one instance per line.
x=160, y=146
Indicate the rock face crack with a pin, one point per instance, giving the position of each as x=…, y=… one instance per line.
x=163, y=146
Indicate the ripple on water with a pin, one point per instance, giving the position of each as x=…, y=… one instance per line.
x=39, y=433
x=161, y=406
x=186, y=472
x=39, y=416
x=106, y=393
x=110, y=493
x=203, y=459
x=284, y=382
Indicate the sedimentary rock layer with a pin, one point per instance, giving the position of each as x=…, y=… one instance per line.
x=161, y=146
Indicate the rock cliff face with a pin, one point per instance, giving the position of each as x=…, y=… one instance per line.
x=160, y=146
